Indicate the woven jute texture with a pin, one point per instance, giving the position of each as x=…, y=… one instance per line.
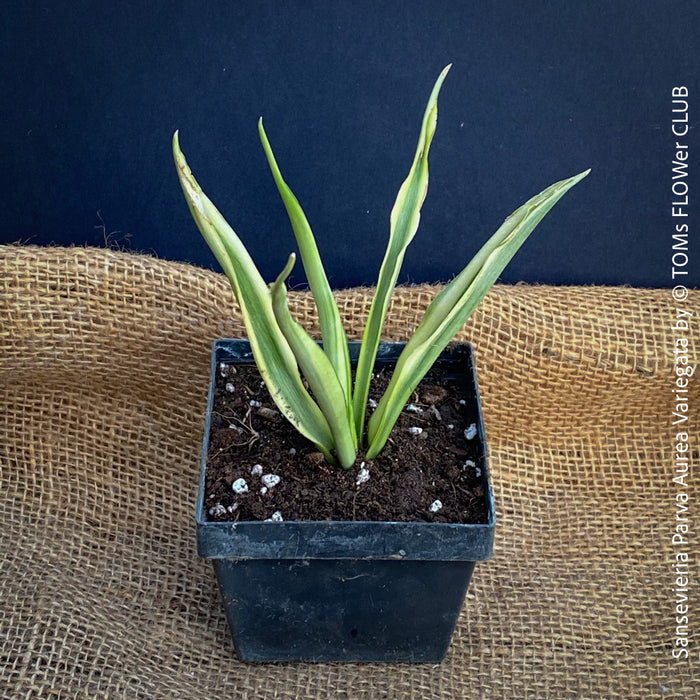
x=103, y=378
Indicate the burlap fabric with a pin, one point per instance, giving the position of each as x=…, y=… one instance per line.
x=103, y=376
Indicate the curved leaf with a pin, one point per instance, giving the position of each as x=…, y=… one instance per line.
x=405, y=217
x=335, y=343
x=272, y=353
x=318, y=371
x=451, y=308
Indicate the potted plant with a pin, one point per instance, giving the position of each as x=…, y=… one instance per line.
x=345, y=588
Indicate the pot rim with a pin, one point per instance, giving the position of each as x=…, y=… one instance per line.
x=339, y=539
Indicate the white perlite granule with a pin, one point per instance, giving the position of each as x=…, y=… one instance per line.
x=257, y=470
x=415, y=430
x=435, y=506
x=470, y=432
x=239, y=486
x=362, y=476
x=270, y=480
x=276, y=517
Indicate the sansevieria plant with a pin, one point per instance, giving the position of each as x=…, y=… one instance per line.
x=332, y=414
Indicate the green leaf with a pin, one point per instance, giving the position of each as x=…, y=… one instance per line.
x=451, y=308
x=272, y=353
x=318, y=371
x=405, y=217
x=335, y=343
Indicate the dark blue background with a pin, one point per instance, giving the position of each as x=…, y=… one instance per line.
x=538, y=91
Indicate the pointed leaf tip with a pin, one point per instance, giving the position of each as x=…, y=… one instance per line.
x=282, y=277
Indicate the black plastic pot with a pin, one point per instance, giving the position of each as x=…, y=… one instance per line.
x=345, y=591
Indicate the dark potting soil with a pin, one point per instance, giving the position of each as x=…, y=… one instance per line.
x=429, y=475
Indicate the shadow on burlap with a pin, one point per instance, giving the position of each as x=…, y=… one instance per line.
x=103, y=374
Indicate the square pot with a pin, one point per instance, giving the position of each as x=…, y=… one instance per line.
x=340, y=590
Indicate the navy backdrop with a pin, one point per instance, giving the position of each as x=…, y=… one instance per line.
x=538, y=91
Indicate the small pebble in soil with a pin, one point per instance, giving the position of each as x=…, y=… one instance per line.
x=276, y=517
x=230, y=388
x=257, y=470
x=292, y=451
x=239, y=486
x=462, y=402
x=223, y=369
x=372, y=403
x=315, y=459
x=270, y=480
x=435, y=506
x=217, y=510
x=470, y=432
x=477, y=471
x=469, y=463
x=263, y=490
x=233, y=507
x=362, y=475
x=415, y=430
x=434, y=394
x=255, y=404
x=434, y=412
x=450, y=426
x=267, y=413
x=412, y=408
